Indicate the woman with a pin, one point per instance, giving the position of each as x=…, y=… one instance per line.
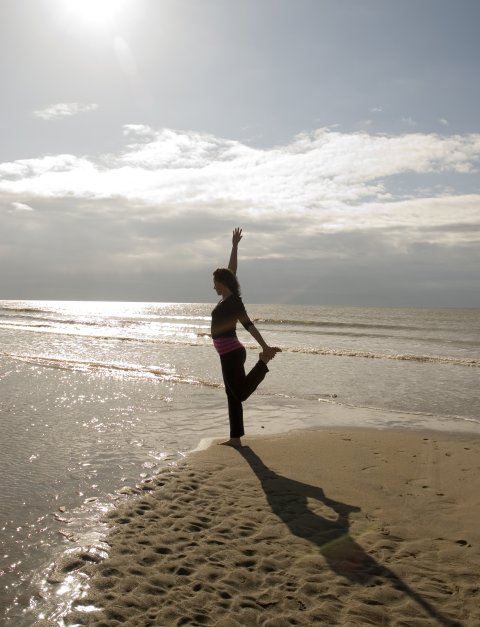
x=230, y=310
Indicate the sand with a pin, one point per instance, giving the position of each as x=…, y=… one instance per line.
x=324, y=527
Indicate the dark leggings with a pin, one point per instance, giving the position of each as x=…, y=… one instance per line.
x=239, y=386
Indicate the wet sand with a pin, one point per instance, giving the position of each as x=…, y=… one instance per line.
x=325, y=527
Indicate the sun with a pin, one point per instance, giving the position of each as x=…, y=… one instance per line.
x=96, y=12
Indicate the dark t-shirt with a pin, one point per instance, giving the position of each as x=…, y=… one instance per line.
x=226, y=315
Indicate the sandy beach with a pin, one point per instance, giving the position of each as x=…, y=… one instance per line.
x=327, y=527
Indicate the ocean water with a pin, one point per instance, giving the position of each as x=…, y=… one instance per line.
x=95, y=397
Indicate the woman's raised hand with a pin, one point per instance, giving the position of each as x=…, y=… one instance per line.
x=236, y=236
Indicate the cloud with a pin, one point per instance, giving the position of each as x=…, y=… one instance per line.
x=409, y=121
x=161, y=209
x=63, y=110
x=20, y=206
x=323, y=169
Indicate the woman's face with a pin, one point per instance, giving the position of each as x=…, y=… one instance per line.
x=218, y=287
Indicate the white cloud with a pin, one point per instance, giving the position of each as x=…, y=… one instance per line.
x=20, y=206
x=64, y=109
x=316, y=170
x=409, y=121
x=444, y=122
x=172, y=195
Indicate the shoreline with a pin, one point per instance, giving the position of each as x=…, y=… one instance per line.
x=320, y=526
x=205, y=443
x=53, y=601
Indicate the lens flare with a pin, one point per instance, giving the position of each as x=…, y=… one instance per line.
x=96, y=11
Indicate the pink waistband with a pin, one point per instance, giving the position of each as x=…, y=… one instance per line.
x=226, y=344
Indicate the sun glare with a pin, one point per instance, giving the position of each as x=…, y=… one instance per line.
x=95, y=11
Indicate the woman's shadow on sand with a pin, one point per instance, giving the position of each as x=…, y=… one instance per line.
x=288, y=500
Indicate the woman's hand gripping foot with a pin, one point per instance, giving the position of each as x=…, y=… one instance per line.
x=269, y=353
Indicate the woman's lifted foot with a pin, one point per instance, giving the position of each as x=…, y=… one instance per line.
x=269, y=353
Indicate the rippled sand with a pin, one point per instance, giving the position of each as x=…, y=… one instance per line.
x=345, y=527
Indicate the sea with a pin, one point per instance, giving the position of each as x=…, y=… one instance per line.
x=98, y=397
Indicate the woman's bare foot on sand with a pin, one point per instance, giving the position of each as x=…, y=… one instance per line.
x=236, y=442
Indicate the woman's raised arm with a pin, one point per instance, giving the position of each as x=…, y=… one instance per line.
x=233, y=262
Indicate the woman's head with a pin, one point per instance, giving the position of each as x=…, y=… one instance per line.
x=226, y=277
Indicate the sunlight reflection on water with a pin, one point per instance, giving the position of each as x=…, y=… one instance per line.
x=95, y=396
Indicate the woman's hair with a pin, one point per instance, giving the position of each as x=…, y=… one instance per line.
x=227, y=277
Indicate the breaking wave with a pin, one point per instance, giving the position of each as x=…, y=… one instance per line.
x=432, y=359
x=163, y=373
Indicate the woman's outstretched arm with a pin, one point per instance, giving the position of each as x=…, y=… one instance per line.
x=236, y=237
x=269, y=351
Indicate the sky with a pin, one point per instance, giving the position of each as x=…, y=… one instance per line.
x=343, y=136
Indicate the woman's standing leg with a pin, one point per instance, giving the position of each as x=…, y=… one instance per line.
x=239, y=386
x=235, y=415
x=233, y=371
